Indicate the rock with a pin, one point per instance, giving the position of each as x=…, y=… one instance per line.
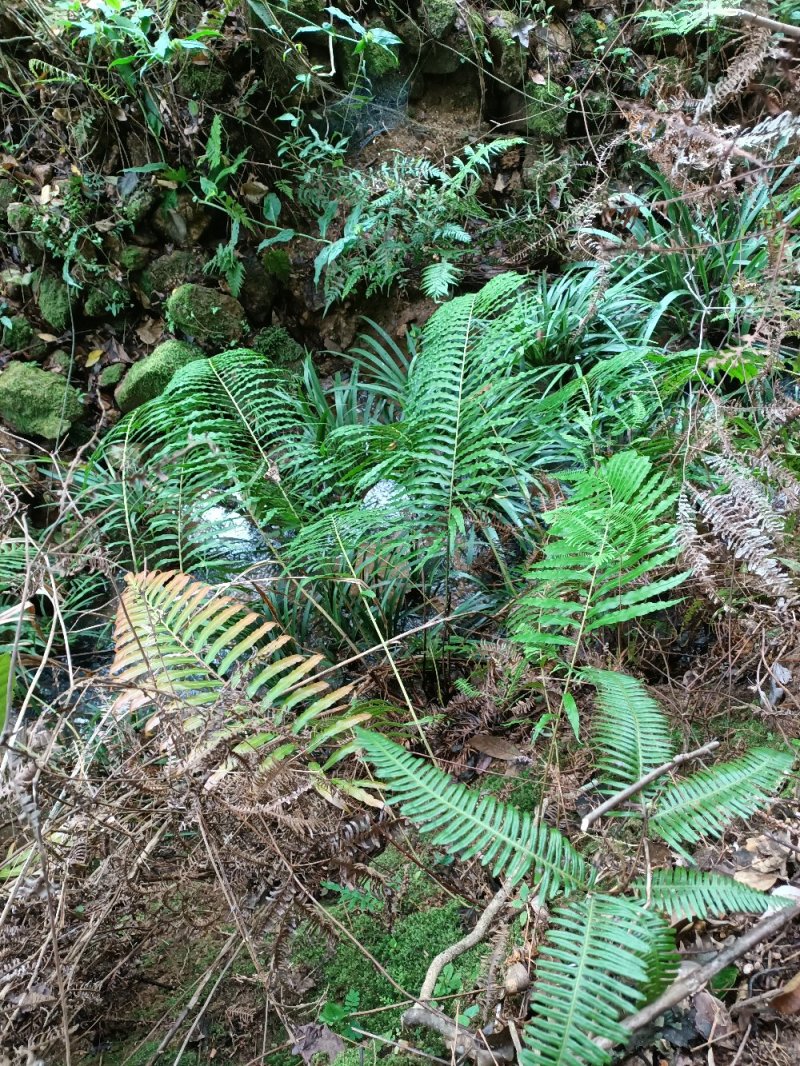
x=20, y=216
x=36, y=403
x=134, y=258
x=259, y=291
x=54, y=302
x=447, y=52
x=106, y=297
x=551, y=46
x=182, y=223
x=207, y=315
x=148, y=378
x=207, y=81
x=168, y=271
x=275, y=344
x=8, y=194
x=509, y=56
x=110, y=376
x=138, y=204
x=546, y=111
x=586, y=33
x=439, y=16
x=20, y=337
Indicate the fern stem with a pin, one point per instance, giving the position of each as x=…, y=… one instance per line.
x=631, y=790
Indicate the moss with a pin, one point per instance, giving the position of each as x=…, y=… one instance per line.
x=149, y=377
x=586, y=32
x=206, y=314
x=134, y=258
x=168, y=271
x=8, y=195
x=106, y=297
x=136, y=207
x=281, y=349
x=546, y=111
x=510, y=59
x=36, y=403
x=21, y=337
x=20, y=216
x=405, y=952
x=54, y=302
x=110, y=376
x=206, y=81
x=439, y=16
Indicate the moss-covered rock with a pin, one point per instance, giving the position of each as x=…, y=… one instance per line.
x=20, y=337
x=275, y=344
x=134, y=258
x=586, y=32
x=169, y=271
x=110, y=376
x=54, y=302
x=148, y=378
x=20, y=216
x=439, y=16
x=465, y=40
x=36, y=403
x=203, y=81
x=547, y=111
x=8, y=194
x=259, y=290
x=106, y=297
x=138, y=204
x=509, y=58
x=206, y=314
x=182, y=219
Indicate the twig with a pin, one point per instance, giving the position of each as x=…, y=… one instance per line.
x=643, y=782
x=697, y=979
x=465, y=1043
x=769, y=24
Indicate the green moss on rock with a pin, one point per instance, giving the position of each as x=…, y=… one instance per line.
x=110, y=376
x=439, y=16
x=206, y=314
x=54, y=302
x=8, y=195
x=36, y=403
x=546, y=111
x=20, y=216
x=21, y=337
x=206, y=81
x=275, y=344
x=509, y=57
x=586, y=32
x=148, y=378
x=170, y=270
x=134, y=258
x=106, y=297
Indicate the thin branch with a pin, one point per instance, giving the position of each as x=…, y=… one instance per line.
x=643, y=782
x=769, y=24
x=697, y=979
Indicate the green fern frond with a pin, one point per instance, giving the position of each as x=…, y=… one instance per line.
x=686, y=893
x=439, y=278
x=600, y=956
x=469, y=825
x=705, y=803
x=605, y=545
x=631, y=732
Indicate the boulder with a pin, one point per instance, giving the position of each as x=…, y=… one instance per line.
x=206, y=315
x=35, y=403
x=150, y=376
x=275, y=344
x=54, y=302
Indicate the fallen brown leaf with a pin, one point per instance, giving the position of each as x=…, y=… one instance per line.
x=788, y=1001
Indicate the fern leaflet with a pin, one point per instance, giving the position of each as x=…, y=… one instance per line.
x=681, y=893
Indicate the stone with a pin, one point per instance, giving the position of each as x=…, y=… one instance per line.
x=54, y=302
x=110, y=376
x=439, y=16
x=465, y=39
x=207, y=315
x=509, y=57
x=20, y=216
x=168, y=271
x=134, y=258
x=20, y=338
x=259, y=290
x=182, y=221
x=586, y=33
x=36, y=403
x=150, y=376
x=275, y=344
x=546, y=111
x=105, y=297
x=8, y=194
x=203, y=81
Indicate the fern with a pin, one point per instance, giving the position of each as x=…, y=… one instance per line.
x=706, y=802
x=599, y=956
x=681, y=893
x=183, y=646
x=468, y=825
x=604, y=546
x=439, y=278
x=631, y=732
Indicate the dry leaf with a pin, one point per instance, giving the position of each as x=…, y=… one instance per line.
x=49, y=337
x=788, y=1001
x=711, y=1017
x=254, y=191
x=151, y=331
x=315, y=1039
x=754, y=878
x=93, y=356
x=496, y=747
